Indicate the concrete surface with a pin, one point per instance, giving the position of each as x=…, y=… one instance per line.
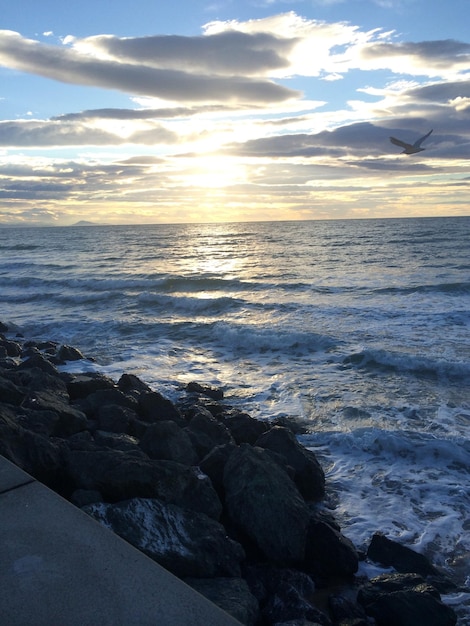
x=59, y=567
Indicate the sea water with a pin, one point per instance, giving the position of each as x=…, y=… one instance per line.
x=358, y=328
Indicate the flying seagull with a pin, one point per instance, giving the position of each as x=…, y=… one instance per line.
x=410, y=148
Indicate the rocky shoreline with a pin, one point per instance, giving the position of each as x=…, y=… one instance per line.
x=230, y=504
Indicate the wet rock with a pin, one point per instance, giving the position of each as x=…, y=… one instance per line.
x=129, y=383
x=114, y=418
x=328, y=553
x=69, y=353
x=183, y=541
x=403, y=559
x=309, y=476
x=404, y=599
x=264, y=502
x=206, y=390
x=230, y=594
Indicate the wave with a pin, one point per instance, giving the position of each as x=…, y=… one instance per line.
x=457, y=288
x=401, y=362
x=189, y=305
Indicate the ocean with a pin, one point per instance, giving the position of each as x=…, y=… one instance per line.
x=357, y=328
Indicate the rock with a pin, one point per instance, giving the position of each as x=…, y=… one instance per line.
x=243, y=427
x=83, y=497
x=206, y=432
x=230, y=594
x=403, y=559
x=3, y=327
x=12, y=348
x=69, y=353
x=328, y=553
x=40, y=362
x=264, y=503
x=153, y=407
x=130, y=382
x=206, y=390
x=118, y=441
x=31, y=452
x=166, y=440
x=82, y=385
x=123, y=476
x=94, y=402
x=114, y=418
x=406, y=600
x=10, y=393
x=69, y=420
x=309, y=476
x=213, y=465
x=185, y=542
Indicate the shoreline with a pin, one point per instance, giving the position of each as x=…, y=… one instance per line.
x=234, y=503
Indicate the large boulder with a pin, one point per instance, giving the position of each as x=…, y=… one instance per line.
x=244, y=428
x=328, y=554
x=166, y=440
x=264, y=503
x=153, y=407
x=30, y=451
x=404, y=599
x=309, y=476
x=206, y=432
x=183, y=541
x=123, y=475
x=231, y=594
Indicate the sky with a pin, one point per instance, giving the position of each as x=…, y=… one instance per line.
x=190, y=111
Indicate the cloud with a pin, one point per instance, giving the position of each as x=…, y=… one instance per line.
x=74, y=66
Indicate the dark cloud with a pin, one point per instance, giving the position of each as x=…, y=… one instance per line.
x=439, y=53
x=70, y=66
x=227, y=53
x=29, y=133
x=141, y=114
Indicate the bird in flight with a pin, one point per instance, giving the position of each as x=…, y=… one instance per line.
x=410, y=148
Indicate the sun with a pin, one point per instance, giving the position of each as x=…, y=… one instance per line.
x=215, y=172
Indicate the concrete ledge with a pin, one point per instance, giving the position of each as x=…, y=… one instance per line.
x=60, y=567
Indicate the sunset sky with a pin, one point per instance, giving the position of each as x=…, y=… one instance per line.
x=232, y=110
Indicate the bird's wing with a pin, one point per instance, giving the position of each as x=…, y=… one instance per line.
x=420, y=141
x=399, y=142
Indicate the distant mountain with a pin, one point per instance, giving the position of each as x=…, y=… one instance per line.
x=84, y=223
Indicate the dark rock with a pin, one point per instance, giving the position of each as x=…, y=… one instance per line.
x=31, y=452
x=185, y=542
x=69, y=353
x=343, y=610
x=114, y=418
x=3, y=327
x=263, y=501
x=406, y=600
x=291, y=606
x=166, y=440
x=230, y=594
x=265, y=580
x=206, y=390
x=93, y=403
x=207, y=433
x=403, y=559
x=82, y=385
x=213, y=464
x=11, y=393
x=83, y=497
x=153, y=407
x=12, y=348
x=40, y=362
x=118, y=441
x=69, y=421
x=309, y=475
x=122, y=476
x=244, y=428
x=130, y=382
x=328, y=553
